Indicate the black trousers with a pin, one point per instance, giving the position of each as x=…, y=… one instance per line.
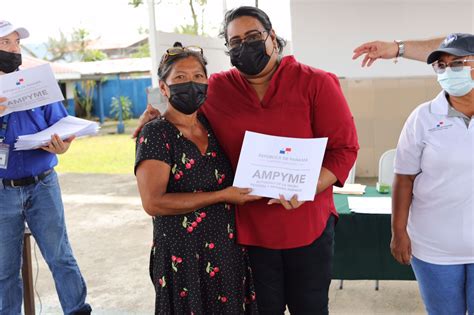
x=298, y=277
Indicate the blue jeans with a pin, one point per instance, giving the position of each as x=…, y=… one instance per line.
x=445, y=289
x=40, y=205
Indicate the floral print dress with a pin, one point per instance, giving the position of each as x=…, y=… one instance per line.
x=195, y=264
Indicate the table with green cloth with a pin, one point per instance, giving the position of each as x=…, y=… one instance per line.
x=362, y=245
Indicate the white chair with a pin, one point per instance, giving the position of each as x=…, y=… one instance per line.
x=386, y=167
x=352, y=175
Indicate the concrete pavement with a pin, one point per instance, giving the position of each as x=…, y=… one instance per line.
x=111, y=236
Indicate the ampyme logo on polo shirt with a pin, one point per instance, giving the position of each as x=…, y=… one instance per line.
x=285, y=151
x=20, y=82
x=440, y=126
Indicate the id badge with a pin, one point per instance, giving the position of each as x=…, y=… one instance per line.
x=4, y=151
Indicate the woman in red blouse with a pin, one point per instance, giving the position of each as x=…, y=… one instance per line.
x=290, y=243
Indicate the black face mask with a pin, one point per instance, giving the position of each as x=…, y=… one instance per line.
x=250, y=58
x=9, y=61
x=187, y=97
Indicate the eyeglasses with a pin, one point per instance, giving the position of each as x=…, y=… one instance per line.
x=173, y=51
x=252, y=37
x=457, y=65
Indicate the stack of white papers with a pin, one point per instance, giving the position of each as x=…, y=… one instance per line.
x=350, y=189
x=64, y=128
x=370, y=205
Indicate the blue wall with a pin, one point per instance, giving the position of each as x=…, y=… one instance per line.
x=135, y=89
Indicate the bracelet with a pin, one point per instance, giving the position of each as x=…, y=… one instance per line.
x=401, y=50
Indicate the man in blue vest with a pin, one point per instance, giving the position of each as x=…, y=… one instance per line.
x=29, y=192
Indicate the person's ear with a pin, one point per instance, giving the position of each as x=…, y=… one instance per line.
x=164, y=89
x=274, y=39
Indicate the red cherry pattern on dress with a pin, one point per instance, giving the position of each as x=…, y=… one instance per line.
x=175, y=261
x=162, y=281
x=230, y=231
x=212, y=271
x=178, y=174
x=190, y=226
x=210, y=245
x=188, y=163
x=183, y=293
x=219, y=177
x=223, y=299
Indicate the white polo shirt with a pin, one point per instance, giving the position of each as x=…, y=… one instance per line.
x=440, y=148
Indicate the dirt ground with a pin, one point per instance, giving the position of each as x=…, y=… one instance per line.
x=111, y=236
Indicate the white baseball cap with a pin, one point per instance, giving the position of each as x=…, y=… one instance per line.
x=6, y=28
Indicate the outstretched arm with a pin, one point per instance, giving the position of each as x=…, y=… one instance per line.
x=152, y=179
x=414, y=49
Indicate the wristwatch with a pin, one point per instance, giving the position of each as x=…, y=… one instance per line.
x=401, y=48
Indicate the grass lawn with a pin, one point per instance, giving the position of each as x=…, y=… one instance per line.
x=108, y=154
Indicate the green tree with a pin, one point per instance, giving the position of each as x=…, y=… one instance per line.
x=144, y=49
x=83, y=98
x=93, y=55
x=73, y=47
x=135, y=3
x=58, y=48
x=80, y=39
x=142, y=52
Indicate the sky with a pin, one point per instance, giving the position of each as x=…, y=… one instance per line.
x=116, y=20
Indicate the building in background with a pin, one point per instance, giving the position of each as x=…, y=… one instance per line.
x=117, y=50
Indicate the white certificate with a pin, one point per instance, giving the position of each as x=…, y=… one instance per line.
x=271, y=165
x=29, y=88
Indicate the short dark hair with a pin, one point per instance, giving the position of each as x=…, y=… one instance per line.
x=167, y=61
x=254, y=12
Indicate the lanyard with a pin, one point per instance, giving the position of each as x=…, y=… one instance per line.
x=3, y=129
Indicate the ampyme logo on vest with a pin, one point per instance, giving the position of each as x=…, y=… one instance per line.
x=285, y=151
x=440, y=126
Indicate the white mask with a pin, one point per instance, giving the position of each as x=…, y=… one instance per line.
x=456, y=83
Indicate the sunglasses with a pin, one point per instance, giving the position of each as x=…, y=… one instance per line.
x=457, y=65
x=173, y=51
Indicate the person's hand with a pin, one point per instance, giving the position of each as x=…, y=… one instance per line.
x=400, y=246
x=291, y=204
x=375, y=50
x=2, y=107
x=58, y=146
x=238, y=196
x=149, y=114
